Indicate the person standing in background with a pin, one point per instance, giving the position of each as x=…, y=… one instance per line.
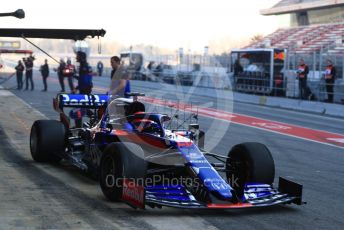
x=115, y=62
x=302, y=74
x=28, y=73
x=59, y=70
x=19, y=73
x=238, y=69
x=85, y=83
x=120, y=84
x=330, y=77
x=69, y=72
x=45, y=73
x=100, y=67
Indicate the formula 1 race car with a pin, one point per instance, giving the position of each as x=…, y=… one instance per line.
x=140, y=160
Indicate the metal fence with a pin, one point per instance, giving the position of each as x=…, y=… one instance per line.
x=215, y=72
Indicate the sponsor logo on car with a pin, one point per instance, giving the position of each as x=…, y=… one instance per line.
x=133, y=193
x=195, y=156
x=81, y=100
x=217, y=184
x=198, y=161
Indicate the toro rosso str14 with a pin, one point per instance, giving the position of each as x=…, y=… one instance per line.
x=139, y=160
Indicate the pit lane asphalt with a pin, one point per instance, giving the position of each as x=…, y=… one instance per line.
x=318, y=167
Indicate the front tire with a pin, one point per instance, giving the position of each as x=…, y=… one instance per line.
x=249, y=163
x=120, y=160
x=47, y=140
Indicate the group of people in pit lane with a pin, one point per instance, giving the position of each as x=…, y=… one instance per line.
x=119, y=85
x=64, y=70
x=329, y=76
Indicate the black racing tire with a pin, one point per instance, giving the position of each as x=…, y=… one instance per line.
x=47, y=140
x=249, y=163
x=120, y=160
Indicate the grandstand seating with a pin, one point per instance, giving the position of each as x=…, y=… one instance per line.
x=306, y=39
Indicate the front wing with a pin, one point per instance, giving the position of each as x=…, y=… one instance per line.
x=255, y=195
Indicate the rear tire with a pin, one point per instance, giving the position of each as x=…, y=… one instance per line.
x=120, y=160
x=47, y=140
x=249, y=163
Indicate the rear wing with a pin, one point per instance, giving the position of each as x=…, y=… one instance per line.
x=64, y=100
x=80, y=101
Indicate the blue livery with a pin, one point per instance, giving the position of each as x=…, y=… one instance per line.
x=140, y=161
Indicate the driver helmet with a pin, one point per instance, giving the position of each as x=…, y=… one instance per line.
x=144, y=124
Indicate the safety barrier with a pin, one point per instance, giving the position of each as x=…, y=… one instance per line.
x=283, y=84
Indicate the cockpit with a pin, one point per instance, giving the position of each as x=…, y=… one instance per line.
x=131, y=116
